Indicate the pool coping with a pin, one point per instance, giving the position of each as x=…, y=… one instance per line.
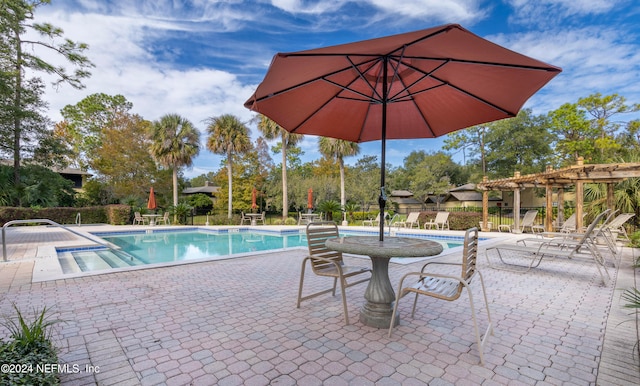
x=47, y=266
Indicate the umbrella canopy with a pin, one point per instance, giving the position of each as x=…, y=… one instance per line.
x=151, y=204
x=310, y=199
x=420, y=84
x=254, y=195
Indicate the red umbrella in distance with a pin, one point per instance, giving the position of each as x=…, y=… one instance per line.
x=254, y=195
x=310, y=199
x=151, y=204
x=420, y=84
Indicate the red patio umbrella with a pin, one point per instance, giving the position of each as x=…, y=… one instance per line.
x=254, y=195
x=151, y=204
x=420, y=84
x=310, y=199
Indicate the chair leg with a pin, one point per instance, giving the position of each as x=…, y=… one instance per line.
x=304, y=262
x=480, y=340
x=343, y=286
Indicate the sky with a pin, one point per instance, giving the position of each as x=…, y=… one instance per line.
x=204, y=58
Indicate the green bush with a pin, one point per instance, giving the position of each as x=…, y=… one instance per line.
x=30, y=346
x=290, y=221
x=110, y=214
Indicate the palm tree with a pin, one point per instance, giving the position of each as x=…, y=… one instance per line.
x=175, y=142
x=338, y=149
x=271, y=130
x=226, y=136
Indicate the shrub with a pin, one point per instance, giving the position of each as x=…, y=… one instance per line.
x=30, y=346
x=290, y=221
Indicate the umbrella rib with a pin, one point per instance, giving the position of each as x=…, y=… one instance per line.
x=323, y=78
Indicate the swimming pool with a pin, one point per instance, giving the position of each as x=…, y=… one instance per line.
x=147, y=247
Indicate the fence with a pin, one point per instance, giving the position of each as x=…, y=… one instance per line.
x=504, y=215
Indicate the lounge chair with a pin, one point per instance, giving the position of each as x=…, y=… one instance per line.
x=449, y=287
x=528, y=221
x=328, y=263
x=441, y=221
x=615, y=228
x=164, y=219
x=410, y=221
x=374, y=222
x=138, y=219
x=571, y=245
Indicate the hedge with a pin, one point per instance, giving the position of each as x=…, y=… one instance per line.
x=110, y=214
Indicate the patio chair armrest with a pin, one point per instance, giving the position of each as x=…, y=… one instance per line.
x=337, y=265
x=439, y=263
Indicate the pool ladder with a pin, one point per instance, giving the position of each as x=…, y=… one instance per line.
x=45, y=221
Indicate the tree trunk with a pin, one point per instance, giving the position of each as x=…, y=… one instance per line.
x=17, y=104
x=175, y=193
x=230, y=177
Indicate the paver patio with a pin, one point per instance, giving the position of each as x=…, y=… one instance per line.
x=234, y=322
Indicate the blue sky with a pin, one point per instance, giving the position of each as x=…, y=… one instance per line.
x=204, y=58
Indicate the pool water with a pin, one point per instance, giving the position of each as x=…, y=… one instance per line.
x=143, y=248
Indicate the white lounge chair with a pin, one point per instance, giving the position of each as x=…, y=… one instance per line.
x=410, y=221
x=528, y=221
x=449, y=287
x=441, y=221
x=570, y=245
x=374, y=222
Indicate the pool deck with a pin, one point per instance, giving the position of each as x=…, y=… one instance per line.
x=234, y=322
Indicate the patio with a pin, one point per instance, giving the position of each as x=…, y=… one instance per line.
x=234, y=322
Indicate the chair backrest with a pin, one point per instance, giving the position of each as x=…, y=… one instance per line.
x=569, y=224
x=622, y=218
x=317, y=234
x=166, y=216
x=262, y=216
x=138, y=215
x=413, y=217
x=469, y=257
x=529, y=218
x=441, y=217
x=590, y=229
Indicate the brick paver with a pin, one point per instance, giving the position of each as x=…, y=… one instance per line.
x=234, y=322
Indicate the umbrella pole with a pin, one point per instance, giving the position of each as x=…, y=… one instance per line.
x=382, y=199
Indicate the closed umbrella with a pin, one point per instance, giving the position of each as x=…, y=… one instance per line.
x=310, y=199
x=151, y=204
x=420, y=84
x=254, y=195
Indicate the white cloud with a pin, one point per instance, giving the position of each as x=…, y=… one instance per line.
x=593, y=60
x=460, y=11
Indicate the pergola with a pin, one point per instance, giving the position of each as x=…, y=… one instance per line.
x=560, y=179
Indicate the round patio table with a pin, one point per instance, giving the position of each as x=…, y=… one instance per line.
x=379, y=296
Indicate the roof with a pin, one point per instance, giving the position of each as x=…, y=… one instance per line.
x=202, y=189
x=464, y=187
x=401, y=193
x=594, y=173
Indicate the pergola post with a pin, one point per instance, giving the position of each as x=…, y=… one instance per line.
x=579, y=199
x=516, y=205
x=485, y=208
x=611, y=198
x=548, y=218
x=560, y=206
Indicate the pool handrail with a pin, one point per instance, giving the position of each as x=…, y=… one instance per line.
x=42, y=220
